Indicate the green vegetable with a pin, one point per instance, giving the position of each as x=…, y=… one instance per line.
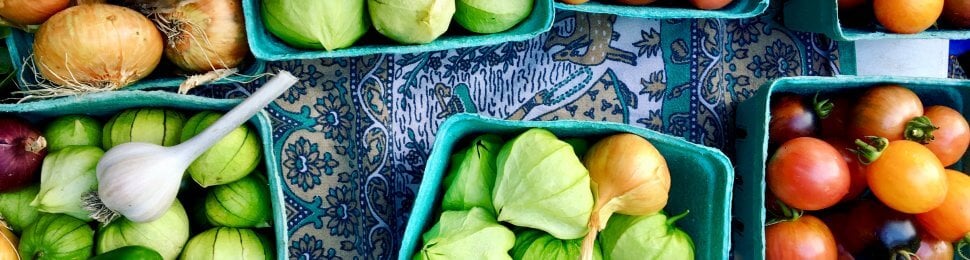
x=147, y=125
x=130, y=253
x=316, y=24
x=472, y=234
x=645, y=237
x=15, y=207
x=541, y=184
x=243, y=203
x=231, y=159
x=72, y=130
x=411, y=21
x=165, y=235
x=57, y=236
x=535, y=244
x=491, y=16
x=472, y=176
x=228, y=243
x=65, y=177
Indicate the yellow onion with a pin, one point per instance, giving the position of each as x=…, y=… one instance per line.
x=205, y=35
x=97, y=47
x=628, y=176
x=30, y=12
x=8, y=243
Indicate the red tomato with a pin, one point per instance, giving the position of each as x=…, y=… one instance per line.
x=907, y=177
x=932, y=248
x=951, y=220
x=834, y=125
x=808, y=173
x=950, y=141
x=710, y=4
x=790, y=119
x=884, y=111
x=804, y=238
x=857, y=171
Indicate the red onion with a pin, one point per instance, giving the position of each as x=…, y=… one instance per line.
x=22, y=149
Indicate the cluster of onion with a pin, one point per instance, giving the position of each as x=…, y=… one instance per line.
x=94, y=46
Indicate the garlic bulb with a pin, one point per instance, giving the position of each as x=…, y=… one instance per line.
x=140, y=180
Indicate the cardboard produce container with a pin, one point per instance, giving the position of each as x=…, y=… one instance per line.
x=20, y=45
x=822, y=16
x=106, y=104
x=753, y=116
x=735, y=10
x=267, y=46
x=701, y=177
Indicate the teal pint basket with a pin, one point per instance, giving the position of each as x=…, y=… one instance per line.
x=20, y=45
x=752, y=142
x=735, y=10
x=266, y=46
x=105, y=104
x=701, y=177
x=822, y=16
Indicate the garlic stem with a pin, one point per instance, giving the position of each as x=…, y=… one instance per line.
x=275, y=87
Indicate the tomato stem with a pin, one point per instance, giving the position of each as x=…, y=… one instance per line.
x=822, y=108
x=790, y=213
x=961, y=244
x=870, y=153
x=920, y=129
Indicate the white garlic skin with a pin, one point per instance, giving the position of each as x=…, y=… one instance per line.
x=139, y=180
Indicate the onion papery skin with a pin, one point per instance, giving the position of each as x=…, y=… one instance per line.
x=30, y=12
x=208, y=35
x=22, y=149
x=97, y=45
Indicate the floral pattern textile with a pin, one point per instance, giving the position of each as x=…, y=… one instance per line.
x=353, y=136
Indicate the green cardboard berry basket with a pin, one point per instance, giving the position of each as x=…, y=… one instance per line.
x=752, y=140
x=266, y=46
x=105, y=104
x=735, y=10
x=20, y=45
x=701, y=177
x=822, y=16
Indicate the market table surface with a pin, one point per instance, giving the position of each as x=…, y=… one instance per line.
x=353, y=136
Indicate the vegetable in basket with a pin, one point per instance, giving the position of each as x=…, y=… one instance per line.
x=316, y=24
x=232, y=158
x=57, y=236
x=243, y=203
x=646, y=237
x=72, y=130
x=22, y=149
x=471, y=234
x=15, y=207
x=491, y=16
x=534, y=244
x=66, y=177
x=166, y=235
x=228, y=243
x=411, y=21
x=472, y=176
x=147, y=125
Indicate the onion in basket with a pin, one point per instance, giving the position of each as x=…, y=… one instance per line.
x=95, y=47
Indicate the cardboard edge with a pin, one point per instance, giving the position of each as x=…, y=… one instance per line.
x=651, y=12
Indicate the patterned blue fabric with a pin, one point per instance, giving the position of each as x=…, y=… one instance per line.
x=353, y=136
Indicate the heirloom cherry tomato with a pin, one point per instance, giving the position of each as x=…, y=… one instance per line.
x=790, y=119
x=932, y=248
x=710, y=4
x=803, y=238
x=951, y=220
x=855, y=228
x=835, y=115
x=905, y=175
x=884, y=111
x=857, y=171
x=907, y=16
x=950, y=141
x=808, y=173
x=896, y=236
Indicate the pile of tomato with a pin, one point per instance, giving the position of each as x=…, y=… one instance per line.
x=863, y=175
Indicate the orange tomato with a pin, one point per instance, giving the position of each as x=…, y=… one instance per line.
x=710, y=4
x=951, y=220
x=575, y=2
x=636, y=2
x=950, y=141
x=907, y=16
x=908, y=177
